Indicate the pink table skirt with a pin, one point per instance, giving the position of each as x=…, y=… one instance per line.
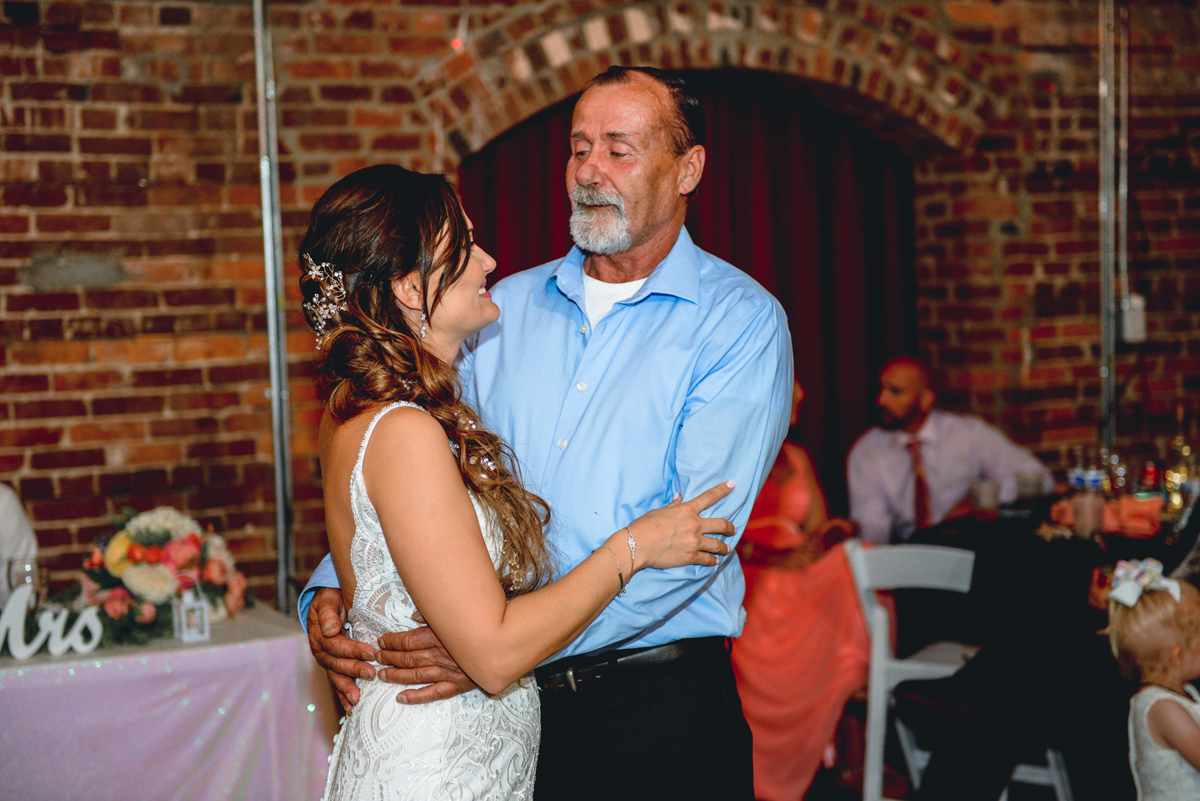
x=246, y=715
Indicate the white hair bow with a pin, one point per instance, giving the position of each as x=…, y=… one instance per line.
x=1134, y=577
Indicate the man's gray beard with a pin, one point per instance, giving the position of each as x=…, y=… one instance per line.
x=599, y=231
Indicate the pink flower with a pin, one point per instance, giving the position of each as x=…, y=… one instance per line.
x=183, y=553
x=235, y=593
x=95, y=560
x=118, y=603
x=187, y=578
x=92, y=594
x=146, y=613
x=215, y=572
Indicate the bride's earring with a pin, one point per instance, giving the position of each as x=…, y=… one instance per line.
x=421, y=333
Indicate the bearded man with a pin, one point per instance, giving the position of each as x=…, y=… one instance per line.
x=633, y=369
x=916, y=468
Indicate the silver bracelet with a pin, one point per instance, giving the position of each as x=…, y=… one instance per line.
x=632, y=548
x=620, y=575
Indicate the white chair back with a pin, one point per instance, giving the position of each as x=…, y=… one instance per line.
x=887, y=567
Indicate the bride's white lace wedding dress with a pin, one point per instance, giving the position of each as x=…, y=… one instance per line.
x=473, y=747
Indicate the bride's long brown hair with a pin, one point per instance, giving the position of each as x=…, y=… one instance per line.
x=375, y=227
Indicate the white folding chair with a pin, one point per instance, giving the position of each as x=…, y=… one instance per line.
x=888, y=567
x=1052, y=774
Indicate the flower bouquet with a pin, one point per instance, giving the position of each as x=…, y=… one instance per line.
x=134, y=575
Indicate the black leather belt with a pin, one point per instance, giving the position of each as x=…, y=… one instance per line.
x=575, y=673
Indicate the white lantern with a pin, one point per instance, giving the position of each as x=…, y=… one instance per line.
x=191, y=617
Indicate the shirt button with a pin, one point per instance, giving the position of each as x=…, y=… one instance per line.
x=562, y=443
x=583, y=328
x=581, y=386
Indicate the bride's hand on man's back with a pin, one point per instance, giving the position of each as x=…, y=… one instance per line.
x=676, y=534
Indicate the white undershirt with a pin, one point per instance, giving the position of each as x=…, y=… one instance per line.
x=599, y=297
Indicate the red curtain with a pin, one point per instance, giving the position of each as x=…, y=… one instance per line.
x=812, y=206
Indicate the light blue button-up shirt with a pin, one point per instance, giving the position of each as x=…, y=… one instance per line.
x=684, y=385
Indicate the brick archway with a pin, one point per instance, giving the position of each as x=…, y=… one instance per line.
x=908, y=69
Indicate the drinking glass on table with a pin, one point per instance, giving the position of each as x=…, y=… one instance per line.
x=1029, y=484
x=986, y=497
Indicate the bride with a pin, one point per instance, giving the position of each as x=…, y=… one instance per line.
x=424, y=507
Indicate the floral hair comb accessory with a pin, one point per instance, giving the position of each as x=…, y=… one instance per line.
x=1134, y=577
x=332, y=300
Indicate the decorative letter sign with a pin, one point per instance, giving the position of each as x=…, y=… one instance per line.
x=50, y=627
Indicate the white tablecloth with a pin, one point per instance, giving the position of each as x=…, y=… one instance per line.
x=247, y=715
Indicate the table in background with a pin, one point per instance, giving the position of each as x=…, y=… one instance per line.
x=247, y=714
x=1020, y=578
x=1044, y=671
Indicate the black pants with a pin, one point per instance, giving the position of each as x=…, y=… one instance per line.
x=658, y=732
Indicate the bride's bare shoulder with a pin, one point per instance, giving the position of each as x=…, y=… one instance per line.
x=408, y=453
x=406, y=421
x=341, y=438
x=405, y=434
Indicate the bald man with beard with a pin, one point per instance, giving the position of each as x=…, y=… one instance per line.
x=954, y=450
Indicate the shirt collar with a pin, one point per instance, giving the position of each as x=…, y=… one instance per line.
x=928, y=433
x=678, y=275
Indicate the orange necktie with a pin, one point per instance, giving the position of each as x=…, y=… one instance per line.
x=920, y=486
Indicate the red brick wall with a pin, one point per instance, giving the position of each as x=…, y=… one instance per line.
x=129, y=130
x=1008, y=242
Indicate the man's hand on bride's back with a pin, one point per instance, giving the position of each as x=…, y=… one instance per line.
x=418, y=657
x=412, y=657
x=344, y=659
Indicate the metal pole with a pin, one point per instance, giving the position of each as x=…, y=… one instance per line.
x=1108, y=310
x=1123, y=162
x=268, y=169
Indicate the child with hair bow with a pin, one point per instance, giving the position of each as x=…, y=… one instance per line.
x=1154, y=631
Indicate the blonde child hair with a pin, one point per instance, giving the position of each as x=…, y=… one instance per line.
x=1143, y=636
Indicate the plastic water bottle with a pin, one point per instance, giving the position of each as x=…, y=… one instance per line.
x=1075, y=472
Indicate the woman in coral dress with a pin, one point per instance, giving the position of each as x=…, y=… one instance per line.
x=804, y=649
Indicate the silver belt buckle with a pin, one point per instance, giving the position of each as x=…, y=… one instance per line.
x=571, y=680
